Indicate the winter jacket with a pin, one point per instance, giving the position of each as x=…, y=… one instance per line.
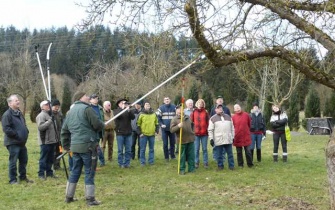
x=147, y=123
x=165, y=114
x=100, y=113
x=123, y=122
x=107, y=116
x=14, y=127
x=225, y=110
x=46, y=130
x=257, y=123
x=134, y=126
x=278, y=122
x=221, y=129
x=80, y=128
x=200, y=119
x=242, y=123
x=187, y=131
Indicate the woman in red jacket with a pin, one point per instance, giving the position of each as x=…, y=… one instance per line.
x=242, y=122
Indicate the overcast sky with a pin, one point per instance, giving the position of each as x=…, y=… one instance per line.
x=41, y=14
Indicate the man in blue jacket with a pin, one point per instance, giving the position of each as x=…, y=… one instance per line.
x=165, y=114
x=16, y=135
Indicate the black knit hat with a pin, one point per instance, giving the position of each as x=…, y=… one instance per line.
x=55, y=102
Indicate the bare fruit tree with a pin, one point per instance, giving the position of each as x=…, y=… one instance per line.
x=232, y=31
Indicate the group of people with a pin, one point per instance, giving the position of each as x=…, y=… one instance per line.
x=88, y=128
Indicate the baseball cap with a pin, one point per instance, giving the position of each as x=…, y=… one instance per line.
x=218, y=106
x=219, y=97
x=93, y=96
x=44, y=103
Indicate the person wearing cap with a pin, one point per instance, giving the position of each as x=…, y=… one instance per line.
x=219, y=101
x=78, y=135
x=58, y=116
x=200, y=119
x=94, y=101
x=258, y=131
x=135, y=134
x=278, y=121
x=109, y=131
x=15, y=138
x=47, y=140
x=123, y=132
x=187, y=140
x=242, y=139
x=165, y=114
x=147, y=127
x=221, y=134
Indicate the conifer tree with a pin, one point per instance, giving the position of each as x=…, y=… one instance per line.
x=66, y=100
x=312, y=108
x=193, y=93
x=208, y=98
x=293, y=112
x=267, y=112
x=330, y=106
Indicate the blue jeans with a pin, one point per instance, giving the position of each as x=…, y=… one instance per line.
x=221, y=155
x=215, y=152
x=80, y=160
x=101, y=156
x=70, y=162
x=168, y=152
x=124, y=142
x=46, y=160
x=256, y=140
x=203, y=140
x=20, y=153
x=143, y=144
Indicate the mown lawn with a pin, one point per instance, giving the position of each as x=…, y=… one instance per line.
x=299, y=184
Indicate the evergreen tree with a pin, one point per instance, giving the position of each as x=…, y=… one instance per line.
x=330, y=106
x=251, y=99
x=267, y=112
x=177, y=99
x=293, y=112
x=312, y=108
x=34, y=111
x=193, y=93
x=208, y=98
x=66, y=100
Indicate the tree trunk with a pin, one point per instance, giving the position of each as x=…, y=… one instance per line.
x=330, y=161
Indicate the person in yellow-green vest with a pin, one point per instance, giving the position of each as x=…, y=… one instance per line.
x=147, y=125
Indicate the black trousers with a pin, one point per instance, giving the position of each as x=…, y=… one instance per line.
x=248, y=157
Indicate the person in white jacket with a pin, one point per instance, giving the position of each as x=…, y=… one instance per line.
x=221, y=134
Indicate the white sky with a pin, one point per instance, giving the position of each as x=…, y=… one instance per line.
x=41, y=14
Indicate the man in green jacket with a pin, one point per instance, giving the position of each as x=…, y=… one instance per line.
x=79, y=135
x=187, y=140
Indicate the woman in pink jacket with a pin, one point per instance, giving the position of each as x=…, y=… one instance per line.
x=242, y=139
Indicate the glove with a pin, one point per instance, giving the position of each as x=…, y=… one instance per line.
x=211, y=142
x=263, y=138
x=163, y=126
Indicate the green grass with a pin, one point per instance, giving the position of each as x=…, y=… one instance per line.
x=299, y=184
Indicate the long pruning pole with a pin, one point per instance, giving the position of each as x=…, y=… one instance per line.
x=41, y=71
x=151, y=91
x=181, y=120
x=48, y=71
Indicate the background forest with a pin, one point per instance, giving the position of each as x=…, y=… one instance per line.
x=127, y=63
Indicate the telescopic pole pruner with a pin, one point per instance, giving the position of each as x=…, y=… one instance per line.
x=151, y=91
x=181, y=120
x=42, y=75
x=48, y=71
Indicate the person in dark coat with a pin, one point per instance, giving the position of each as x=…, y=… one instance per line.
x=257, y=130
x=16, y=135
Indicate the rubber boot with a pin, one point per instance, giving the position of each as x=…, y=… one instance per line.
x=275, y=158
x=284, y=158
x=70, y=190
x=252, y=155
x=90, y=195
x=259, y=155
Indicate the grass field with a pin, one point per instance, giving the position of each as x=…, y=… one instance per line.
x=299, y=184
